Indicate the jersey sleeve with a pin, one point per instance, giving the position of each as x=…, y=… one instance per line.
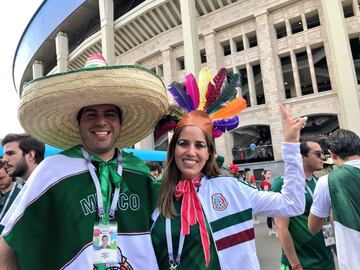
x=322, y=203
x=291, y=200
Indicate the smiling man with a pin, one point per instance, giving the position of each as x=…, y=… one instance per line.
x=92, y=188
x=99, y=128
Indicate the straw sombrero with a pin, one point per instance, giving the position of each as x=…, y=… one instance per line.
x=49, y=105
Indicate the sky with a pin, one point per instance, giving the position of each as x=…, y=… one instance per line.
x=14, y=19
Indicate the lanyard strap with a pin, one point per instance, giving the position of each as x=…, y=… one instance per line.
x=7, y=201
x=309, y=189
x=91, y=167
x=174, y=263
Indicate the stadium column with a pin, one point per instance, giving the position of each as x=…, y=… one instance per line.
x=169, y=66
x=273, y=90
x=295, y=71
x=356, y=7
x=106, y=8
x=190, y=36
x=345, y=76
x=62, y=51
x=37, y=69
x=251, y=84
x=312, y=68
x=212, y=51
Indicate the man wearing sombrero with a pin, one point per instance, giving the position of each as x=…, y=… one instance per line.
x=93, y=188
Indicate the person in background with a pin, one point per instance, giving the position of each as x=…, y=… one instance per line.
x=265, y=182
x=242, y=175
x=22, y=154
x=340, y=191
x=252, y=147
x=236, y=152
x=300, y=248
x=249, y=177
x=266, y=185
x=219, y=161
x=234, y=170
x=8, y=190
x=155, y=170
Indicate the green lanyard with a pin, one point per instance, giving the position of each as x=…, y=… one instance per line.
x=108, y=171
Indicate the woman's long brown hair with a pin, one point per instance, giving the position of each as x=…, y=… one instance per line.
x=172, y=174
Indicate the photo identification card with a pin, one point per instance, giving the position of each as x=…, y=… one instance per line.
x=104, y=243
x=329, y=236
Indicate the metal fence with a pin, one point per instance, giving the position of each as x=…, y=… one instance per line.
x=252, y=154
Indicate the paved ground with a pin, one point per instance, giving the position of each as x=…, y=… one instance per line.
x=267, y=248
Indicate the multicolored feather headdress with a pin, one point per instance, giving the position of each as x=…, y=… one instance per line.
x=216, y=97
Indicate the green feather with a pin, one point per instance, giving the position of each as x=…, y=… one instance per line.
x=227, y=94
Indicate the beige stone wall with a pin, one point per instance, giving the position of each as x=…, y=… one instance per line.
x=237, y=21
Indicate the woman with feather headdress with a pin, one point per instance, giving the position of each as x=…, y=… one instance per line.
x=204, y=220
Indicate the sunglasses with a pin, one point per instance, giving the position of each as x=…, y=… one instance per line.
x=318, y=154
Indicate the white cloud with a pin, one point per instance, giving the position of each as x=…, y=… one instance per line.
x=14, y=19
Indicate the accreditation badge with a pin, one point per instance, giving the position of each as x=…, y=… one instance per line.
x=104, y=243
x=329, y=235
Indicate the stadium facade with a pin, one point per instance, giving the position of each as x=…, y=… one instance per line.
x=304, y=53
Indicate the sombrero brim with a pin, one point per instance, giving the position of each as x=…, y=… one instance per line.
x=48, y=106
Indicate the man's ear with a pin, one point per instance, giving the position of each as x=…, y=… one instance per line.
x=31, y=155
x=333, y=155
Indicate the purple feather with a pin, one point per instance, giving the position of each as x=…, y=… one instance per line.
x=180, y=96
x=192, y=89
x=226, y=124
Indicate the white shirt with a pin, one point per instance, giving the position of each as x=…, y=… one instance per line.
x=322, y=201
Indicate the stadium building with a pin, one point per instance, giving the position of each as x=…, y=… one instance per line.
x=304, y=53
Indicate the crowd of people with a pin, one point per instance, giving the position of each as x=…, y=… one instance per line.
x=185, y=215
x=255, y=152
x=22, y=154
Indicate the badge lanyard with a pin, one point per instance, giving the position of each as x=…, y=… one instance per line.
x=7, y=201
x=174, y=263
x=309, y=189
x=91, y=167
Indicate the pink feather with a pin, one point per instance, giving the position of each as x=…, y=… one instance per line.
x=216, y=133
x=192, y=89
x=213, y=91
x=210, y=95
x=219, y=80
